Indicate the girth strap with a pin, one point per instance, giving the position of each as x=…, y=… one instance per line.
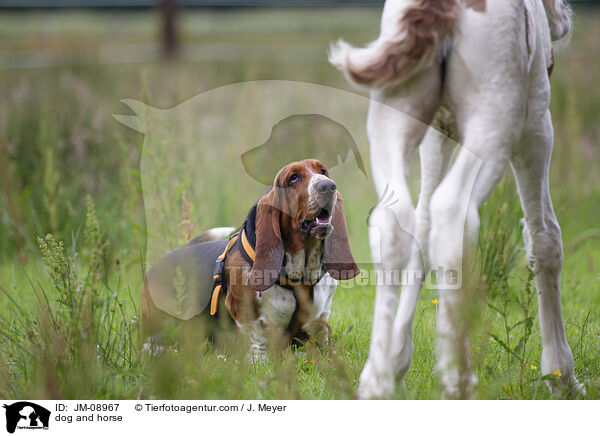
x=219, y=284
x=219, y=275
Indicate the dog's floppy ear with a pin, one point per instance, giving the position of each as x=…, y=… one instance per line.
x=269, y=245
x=337, y=257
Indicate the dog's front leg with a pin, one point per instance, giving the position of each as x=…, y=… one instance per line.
x=317, y=326
x=256, y=335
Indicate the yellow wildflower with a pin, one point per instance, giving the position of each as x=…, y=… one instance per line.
x=435, y=301
x=533, y=367
x=557, y=373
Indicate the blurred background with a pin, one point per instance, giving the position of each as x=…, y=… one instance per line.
x=64, y=67
x=66, y=64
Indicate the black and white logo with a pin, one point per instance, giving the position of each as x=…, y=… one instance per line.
x=26, y=415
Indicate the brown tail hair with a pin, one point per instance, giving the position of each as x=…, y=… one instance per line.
x=393, y=59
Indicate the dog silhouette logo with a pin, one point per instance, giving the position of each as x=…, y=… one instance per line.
x=229, y=142
x=26, y=415
x=300, y=137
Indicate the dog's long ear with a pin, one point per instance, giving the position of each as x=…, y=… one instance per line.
x=337, y=257
x=269, y=245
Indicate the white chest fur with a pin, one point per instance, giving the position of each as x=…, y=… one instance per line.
x=277, y=304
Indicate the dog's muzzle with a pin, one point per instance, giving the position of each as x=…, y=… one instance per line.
x=325, y=196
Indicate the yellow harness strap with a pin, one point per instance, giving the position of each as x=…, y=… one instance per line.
x=228, y=247
x=247, y=247
x=214, y=301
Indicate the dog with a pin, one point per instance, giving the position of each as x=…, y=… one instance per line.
x=489, y=62
x=278, y=273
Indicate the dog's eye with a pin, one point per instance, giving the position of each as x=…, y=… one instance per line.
x=294, y=178
x=323, y=171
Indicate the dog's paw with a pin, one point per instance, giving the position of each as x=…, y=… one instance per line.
x=256, y=355
x=153, y=346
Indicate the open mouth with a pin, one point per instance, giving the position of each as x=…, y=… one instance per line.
x=323, y=218
x=321, y=221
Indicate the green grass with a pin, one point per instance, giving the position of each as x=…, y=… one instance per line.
x=75, y=333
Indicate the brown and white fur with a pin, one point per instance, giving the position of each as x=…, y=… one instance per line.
x=489, y=61
x=301, y=219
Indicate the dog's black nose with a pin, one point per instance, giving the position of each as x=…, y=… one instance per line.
x=325, y=187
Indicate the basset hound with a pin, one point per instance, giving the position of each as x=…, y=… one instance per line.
x=278, y=273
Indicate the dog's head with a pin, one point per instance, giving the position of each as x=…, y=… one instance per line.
x=302, y=205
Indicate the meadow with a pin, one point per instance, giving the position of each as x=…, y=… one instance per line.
x=74, y=233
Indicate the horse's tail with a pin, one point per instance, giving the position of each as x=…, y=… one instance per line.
x=395, y=56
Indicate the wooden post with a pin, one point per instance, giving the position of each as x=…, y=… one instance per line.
x=168, y=17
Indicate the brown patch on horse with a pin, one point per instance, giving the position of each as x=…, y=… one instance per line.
x=420, y=31
x=477, y=5
x=527, y=31
x=551, y=66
